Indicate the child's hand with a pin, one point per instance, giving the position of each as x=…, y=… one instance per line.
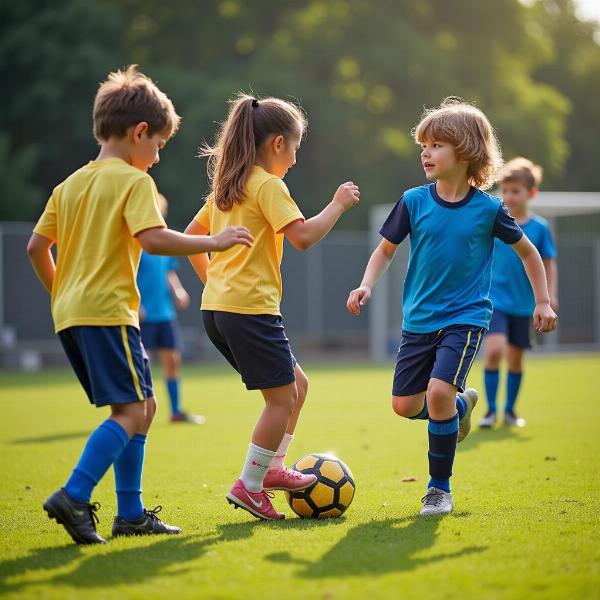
x=347, y=195
x=182, y=299
x=357, y=298
x=230, y=236
x=544, y=318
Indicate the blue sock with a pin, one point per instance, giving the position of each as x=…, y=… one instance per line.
x=491, y=388
x=128, y=478
x=513, y=383
x=173, y=389
x=443, y=436
x=424, y=414
x=461, y=406
x=101, y=450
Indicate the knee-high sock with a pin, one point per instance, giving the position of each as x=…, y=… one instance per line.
x=103, y=447
x=491, y=379
x=128, y=478
x=173, y=389
x=513, y=383
x=443, y=436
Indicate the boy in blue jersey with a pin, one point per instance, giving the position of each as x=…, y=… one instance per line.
x=510, y=332
x=161, y=294
x=451, y=224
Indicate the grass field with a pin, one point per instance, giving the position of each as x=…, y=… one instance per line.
x=526, y=523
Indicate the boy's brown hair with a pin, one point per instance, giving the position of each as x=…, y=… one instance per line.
x=470, y=132
x=127, y=98
x=523, y=171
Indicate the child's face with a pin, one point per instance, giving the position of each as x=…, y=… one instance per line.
x=145, y=148
x=516, y=195
x=439, y=160
x=284, y=153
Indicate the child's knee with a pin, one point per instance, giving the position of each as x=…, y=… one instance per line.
x=151, y=407
x=301, y=387
x=403, y=405
x=440, y=394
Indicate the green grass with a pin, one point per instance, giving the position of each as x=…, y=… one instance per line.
x=526, y=523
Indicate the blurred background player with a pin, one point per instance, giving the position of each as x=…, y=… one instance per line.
x=162, y=294
x=511, y=329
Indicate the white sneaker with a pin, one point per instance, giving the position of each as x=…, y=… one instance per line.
x=436, y=502
x=489, y=420
x=512, y=420
x=464, y=425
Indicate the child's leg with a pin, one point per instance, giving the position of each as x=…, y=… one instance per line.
x=495, y=347
x=514, y=376
x=443, y=432
x=171, y=363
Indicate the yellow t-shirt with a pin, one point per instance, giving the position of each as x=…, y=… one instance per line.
x=248, y=280
x=93, y=217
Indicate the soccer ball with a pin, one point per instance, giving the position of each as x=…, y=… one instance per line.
x=330, y=495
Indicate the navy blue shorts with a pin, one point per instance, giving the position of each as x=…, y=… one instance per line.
x=446, y=354
x=110, y=363
x=518, y=330
x=162, y=335
x=255, y=346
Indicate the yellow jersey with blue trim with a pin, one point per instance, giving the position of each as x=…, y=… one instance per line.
x=248, y=280
x=93, y=217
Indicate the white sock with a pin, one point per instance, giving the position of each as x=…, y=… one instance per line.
x=282, y=450
x=258, y=461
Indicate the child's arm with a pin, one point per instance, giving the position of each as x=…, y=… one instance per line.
x=181, y=297
x=304, y=234
x=378, y=263
x=552, y=276
x=41, y=258
x=199, y=261
x=167, y=242
x=544, y=318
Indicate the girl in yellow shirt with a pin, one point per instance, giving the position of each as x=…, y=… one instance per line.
x=254, y=149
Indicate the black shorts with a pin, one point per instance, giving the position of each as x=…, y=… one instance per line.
x=446, y=354
x=518, y=330
x=255, y=346
x=160, y=335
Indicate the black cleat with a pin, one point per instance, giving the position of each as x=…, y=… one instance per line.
x=78, y=518
x=147, y=524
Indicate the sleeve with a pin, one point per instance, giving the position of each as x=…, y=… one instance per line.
x=547, y=248
x=46, y=225
x=141, y=207
x=203, y=215
x=277, y=205
x=505, y=227
x=397, y=224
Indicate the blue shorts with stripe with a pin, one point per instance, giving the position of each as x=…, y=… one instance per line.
x=446, y=354
x=518, y=330
x=110, y=363
x=160, y=335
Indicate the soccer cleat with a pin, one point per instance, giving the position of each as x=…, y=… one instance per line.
x=78, y=518
x=147, y=524
x=256, y=503
x=282, y=478
x=489, y=420
x=183, y=417
x=464, y=425
x=512, y=420
x=436, y=502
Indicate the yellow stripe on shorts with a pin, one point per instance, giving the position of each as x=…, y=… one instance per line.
x=462, y=358
x=136, y=381
x=473, y=359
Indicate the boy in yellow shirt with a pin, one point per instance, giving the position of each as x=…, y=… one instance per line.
x=100, y=218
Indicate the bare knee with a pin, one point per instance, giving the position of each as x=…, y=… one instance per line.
x=301, y=387
x=151, y=407
x=408, y=406
x=441, y=397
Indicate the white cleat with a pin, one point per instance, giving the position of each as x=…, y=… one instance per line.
x=464, y=425
x=436, y=502
x=489, y=420
x=512, y=420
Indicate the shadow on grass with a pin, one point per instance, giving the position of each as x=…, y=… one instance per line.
x=97, y=568
x=47, y=439
x=499, y=434
x=379, y=547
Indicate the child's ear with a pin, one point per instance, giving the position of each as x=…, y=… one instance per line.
x=278, y=143
x=533, y=192
x=138, y=131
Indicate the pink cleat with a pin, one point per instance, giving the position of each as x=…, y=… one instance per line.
x=282, y=478
x=256, y=503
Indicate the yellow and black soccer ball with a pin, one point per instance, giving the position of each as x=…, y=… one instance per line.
x=330, y=495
